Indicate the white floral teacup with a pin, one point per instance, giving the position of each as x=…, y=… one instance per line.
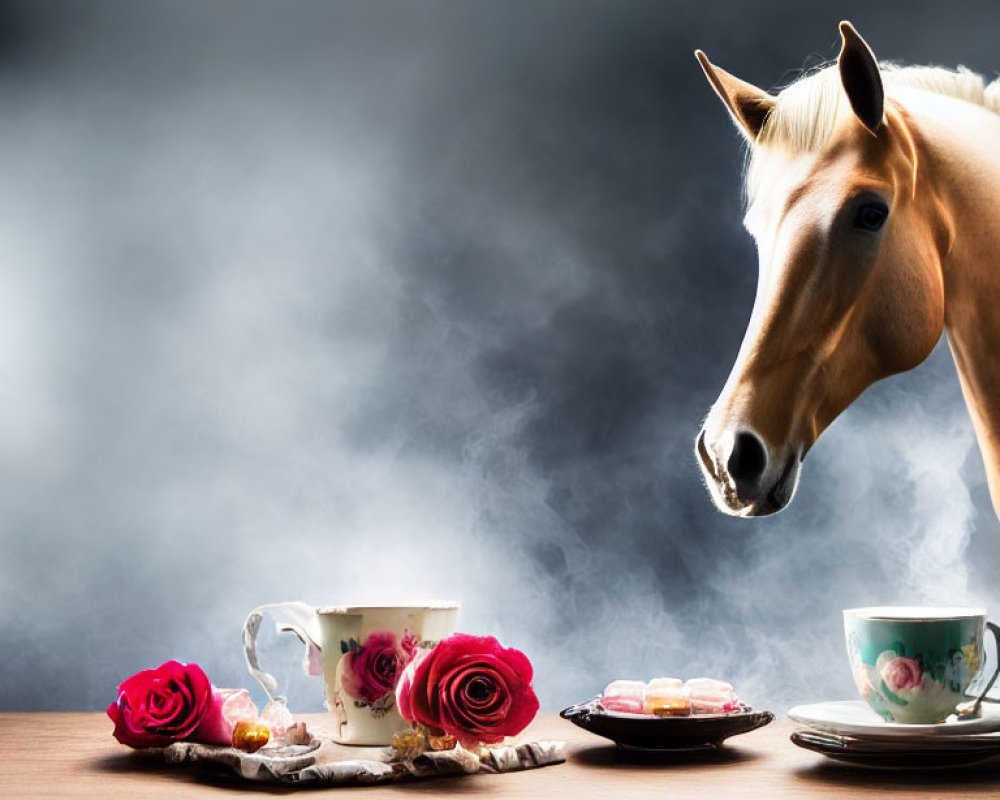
x=914, y=664
x=361, y=652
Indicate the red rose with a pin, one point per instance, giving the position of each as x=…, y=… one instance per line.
x=174, y=701
x=470, y=687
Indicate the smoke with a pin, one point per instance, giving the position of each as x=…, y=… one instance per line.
x=370, y=302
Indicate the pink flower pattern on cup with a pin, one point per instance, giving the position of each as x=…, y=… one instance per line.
x=372, y=668
x=900, y=673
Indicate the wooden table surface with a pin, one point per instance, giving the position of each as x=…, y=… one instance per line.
x=74, y=755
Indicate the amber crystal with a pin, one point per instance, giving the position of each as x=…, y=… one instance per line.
x=445, y=742
x=408, y=744
x=250, y=736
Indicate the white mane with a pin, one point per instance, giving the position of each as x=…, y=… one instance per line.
x=806, y=112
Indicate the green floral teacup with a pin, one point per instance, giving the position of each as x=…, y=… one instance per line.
x=914, y=664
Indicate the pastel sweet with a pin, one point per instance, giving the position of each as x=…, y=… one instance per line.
x=665, y=683
x=710, y=696
x=710, y=684
x=666, y=697
x=630, y=705
x=624, y=696
x=667, y=701
x=671, y=697
x=714, y=705
x=625, y=688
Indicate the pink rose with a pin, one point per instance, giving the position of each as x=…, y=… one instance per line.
x=371, y=669
x=470, y=687
x=175, y=702
x=901, y=673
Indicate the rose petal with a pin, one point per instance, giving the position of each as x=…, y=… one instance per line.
x=463, y=714
x=405, y=694
x=128, y=733
x=422, y=695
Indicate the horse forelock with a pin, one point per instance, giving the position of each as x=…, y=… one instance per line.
x=808, y=111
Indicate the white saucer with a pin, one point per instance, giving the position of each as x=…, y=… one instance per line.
x=856, y=718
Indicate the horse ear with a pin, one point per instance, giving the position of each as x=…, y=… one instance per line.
x=747, y=104
x=860, y=78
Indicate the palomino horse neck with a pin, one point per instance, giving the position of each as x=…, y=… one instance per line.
x=960, y=161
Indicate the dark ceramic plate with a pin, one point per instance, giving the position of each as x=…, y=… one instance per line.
x=646, y=732
x=897, y=754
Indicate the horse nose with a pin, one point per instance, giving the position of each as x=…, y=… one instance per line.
x=747, y=461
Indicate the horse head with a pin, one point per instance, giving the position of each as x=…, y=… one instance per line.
x=850, y=284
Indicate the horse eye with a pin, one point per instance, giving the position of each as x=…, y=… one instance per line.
x=871, y=216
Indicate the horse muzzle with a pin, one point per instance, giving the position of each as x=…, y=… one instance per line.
x=743, y=477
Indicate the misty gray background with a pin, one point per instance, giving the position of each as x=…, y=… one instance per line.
x=377, y=300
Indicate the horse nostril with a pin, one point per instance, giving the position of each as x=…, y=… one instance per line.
x=749, y=458
x=703, y=454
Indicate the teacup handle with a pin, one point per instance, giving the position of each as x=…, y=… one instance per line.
x=970, y=708
x=300, y=619
x=995, y=630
